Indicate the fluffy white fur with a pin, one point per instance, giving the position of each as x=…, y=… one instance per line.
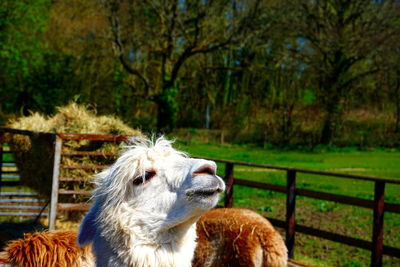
x=151, y=223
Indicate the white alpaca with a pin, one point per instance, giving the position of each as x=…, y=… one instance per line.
x=146, y=207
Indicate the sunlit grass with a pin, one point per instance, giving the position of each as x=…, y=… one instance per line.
x=339, y=218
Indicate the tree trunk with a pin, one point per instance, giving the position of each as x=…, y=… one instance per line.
x=397, y=100
x=332, y=119
x=167, y=110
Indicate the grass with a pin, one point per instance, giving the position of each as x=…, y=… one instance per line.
x=343, y=219
x=339, y=218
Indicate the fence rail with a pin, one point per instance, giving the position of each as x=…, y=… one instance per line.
x=378, y=205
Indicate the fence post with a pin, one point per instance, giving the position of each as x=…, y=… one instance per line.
x=55, y=184
x=229, y=185
x=290, y=211
x=377, y=234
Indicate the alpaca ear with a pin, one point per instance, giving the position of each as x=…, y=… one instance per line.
x=88, y=227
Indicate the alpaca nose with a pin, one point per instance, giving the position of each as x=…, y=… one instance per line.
x=207, y=169
x=203, y=167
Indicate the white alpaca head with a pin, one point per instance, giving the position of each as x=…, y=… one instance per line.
x=152, y=195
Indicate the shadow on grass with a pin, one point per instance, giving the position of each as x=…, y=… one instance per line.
x=13, y=230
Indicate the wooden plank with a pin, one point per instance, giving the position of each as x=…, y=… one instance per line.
x=18, y=194
x=377, y=231
x=10, y=176
x=323, y=173
x=355, y=242
x=94, y=137
x=22, y=214
x=290, y=212
x=21, y=200
x=26, y=132
x=9, y=183
x=90, y=153
x=229, y=181
x=55, y=183
x=272, y=187
x=21, y=207
x=74, y=192
x=74, y=206
x=83, y=167
x=1, y=159
x=75, y=179
x=10, y=172
x=390, y=207
x=9, y=164
x=295, y=263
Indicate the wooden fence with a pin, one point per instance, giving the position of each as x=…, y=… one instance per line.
x=378, y=205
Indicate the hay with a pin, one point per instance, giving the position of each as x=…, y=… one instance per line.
x=34, y=155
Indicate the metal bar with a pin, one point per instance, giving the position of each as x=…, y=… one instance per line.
x=9, y=184
x=229, y=181
x=18, y=194
x=377, y=234
x=24, y=214
x=55, y=184
x=290, y=212
x=1, y=159
x=21, y=207
x=9, y=163
x=22, y=200
x=11, y=176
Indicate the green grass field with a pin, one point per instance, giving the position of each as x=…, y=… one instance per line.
x=339, y=218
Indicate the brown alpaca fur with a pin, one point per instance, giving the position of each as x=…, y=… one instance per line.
x=238, y=237
x=226, y=237
x=50, y=249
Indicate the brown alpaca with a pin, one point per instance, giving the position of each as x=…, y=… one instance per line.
x=50, y=249
x=226, y=237
x=238, y=237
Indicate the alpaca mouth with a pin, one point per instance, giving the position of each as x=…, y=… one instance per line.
x=204, y=192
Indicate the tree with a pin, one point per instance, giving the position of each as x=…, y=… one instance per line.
x=154, y=39
x=339, y=40
x=22, y=25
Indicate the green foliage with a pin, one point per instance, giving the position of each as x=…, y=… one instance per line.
x=308, y=97
x=22, y=24
x=167, y=109
x=286, y=74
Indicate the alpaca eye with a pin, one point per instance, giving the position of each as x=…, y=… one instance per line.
x=145, y=178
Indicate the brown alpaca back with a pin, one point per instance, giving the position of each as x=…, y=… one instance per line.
x=238, y=237
x=53, y=248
